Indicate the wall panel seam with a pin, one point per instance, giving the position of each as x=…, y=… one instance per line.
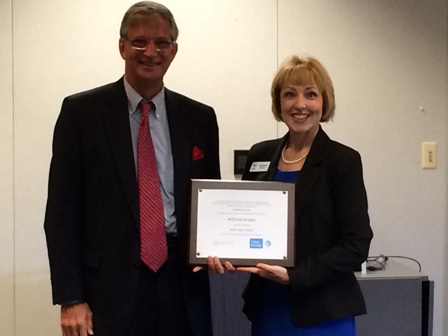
x=14, y=310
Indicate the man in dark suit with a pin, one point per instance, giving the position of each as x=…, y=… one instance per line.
x=96, y=201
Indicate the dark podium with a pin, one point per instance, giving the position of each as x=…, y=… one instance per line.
x=399, y=303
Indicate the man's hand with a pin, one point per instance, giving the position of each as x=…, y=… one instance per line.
x=275, y=273
x=76, y=320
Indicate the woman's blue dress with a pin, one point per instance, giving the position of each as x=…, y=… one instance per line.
x=274, y=317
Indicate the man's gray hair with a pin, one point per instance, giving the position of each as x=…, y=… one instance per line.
x=146, y=9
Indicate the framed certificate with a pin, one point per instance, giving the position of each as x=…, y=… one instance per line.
x=244, y=222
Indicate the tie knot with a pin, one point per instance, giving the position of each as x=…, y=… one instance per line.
x=146, y=107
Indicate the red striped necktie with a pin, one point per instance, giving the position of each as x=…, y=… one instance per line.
x=153, y=248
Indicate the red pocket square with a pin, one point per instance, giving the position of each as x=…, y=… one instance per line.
x=197, y=154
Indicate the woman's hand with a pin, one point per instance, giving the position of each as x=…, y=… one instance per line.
x=214, y=265
x=275, y=273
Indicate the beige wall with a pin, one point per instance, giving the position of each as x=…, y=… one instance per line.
x=386, y=58
x=6, y=173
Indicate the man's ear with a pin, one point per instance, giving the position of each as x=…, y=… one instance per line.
x=121, y=47
x=175, y=48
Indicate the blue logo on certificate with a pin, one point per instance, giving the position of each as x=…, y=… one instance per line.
x=256, y=243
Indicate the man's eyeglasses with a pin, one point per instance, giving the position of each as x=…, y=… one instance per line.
x=140, y=43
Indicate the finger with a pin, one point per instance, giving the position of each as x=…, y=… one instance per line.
x=210, y=264
x=90, y=324
x=248, y=269
x=69, y=328
x=72, y=331
x=197, y=269
x=217, y=265
x=82, y=330
x=229, y=267
x=214, y=267
x=79, y=326
x=264, y=266
x=271, y=268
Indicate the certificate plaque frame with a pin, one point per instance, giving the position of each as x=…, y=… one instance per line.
x=243, y=222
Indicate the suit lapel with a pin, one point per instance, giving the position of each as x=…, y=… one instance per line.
x=181, y=148
x=311, y=170
x=116, y=120
x=269, y=175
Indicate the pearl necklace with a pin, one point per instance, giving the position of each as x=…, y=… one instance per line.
x=292, y=161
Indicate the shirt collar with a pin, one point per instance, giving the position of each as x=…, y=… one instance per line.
x=134, y=99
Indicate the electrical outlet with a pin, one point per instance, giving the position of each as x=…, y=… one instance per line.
x=429, y=155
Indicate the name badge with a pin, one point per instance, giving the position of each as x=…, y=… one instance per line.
x=259, y=166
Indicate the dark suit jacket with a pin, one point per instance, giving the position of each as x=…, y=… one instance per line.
x=332, y=231
x=92, y=215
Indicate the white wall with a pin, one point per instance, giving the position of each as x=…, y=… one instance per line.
x=6, y=173
x=386, y=58
x=227, y=57
x=59, y=47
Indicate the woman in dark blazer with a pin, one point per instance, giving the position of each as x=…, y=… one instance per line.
x=320, y=295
